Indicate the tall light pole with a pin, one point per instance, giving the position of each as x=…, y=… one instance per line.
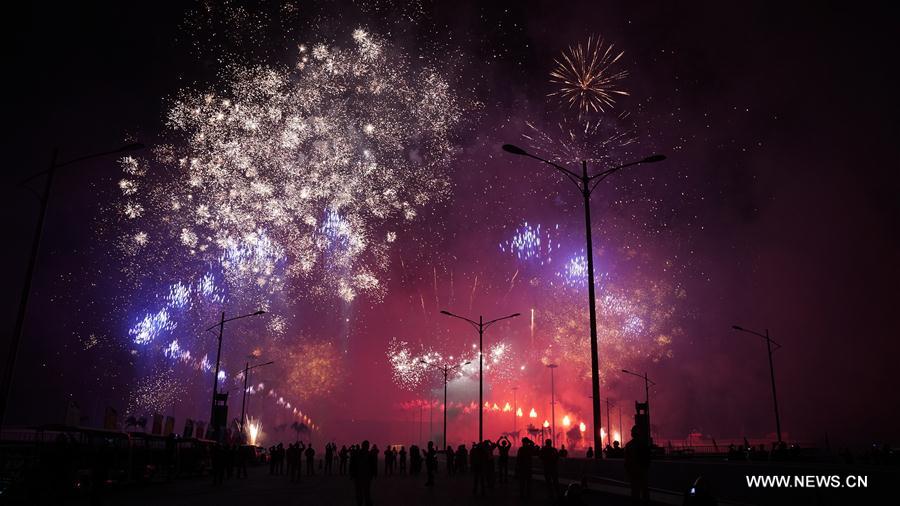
x=621, y=429
x=445, y=370
x=44, y=198
x=609, y=421
x=247, y=370
x=552, y=403
x=515, y=412
x=647, y=384
x=480, y=326
x=769, y=343
x=221, y=325
x=586, y=185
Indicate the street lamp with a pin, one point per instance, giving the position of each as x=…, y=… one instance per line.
x=552, y=403
x=445, y=370
x=586, y=185
x=769, y=343
x=44, y=198
x=647, y=384
x=609, y=420
x=480, y=326
x=516, y=412
x=221, y=325
x=247, y=370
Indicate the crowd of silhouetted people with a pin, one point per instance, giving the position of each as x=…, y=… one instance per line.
x=486, y=465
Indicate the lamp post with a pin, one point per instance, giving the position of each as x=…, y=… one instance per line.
x=480, y=326
x=647, y=384
x=609, y=421
x=247, y=370
x=586, y=185
x=44, y=198
x=515, y=411
x=445, y=370
x=769, y=343
x=621, y=429
x=221, y=325
x=552, y=403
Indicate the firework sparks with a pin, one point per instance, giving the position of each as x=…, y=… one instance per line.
x=410, y=368
x=317, y=157
x=586, y=78
x=531, y=243
x=254, y=431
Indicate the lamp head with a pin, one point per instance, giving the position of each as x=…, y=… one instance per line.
x=737, y=327
x=654, y=159
x=259, y=312
x=516, y=150
x=448, y=313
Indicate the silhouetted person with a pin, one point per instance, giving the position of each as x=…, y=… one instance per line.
x=388, y=461
x=476, y=464
x=272, y=460
x=550, y=460
x=617, y=451
x=374, y=458
x=301, y=454
x=451, y=465
x=489, y=472
x=523, y=467
x=329, y=457
x=698, y=494
x=462, y=458
x=244, y=454
x=279, y=459
x=637, y=466
x=415, y=460
x=343, y=457
x=289, y=457
x=430, y=463
x=402, y=454
x=310, y=460
x=229, y=461
x=361, y=472
x=503, y=447
x=590, y=452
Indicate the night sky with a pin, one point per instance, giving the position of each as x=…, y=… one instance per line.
x=776, y=209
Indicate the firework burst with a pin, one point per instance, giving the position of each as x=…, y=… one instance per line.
x=314, y=165
x=586, y=77
x=532, y=243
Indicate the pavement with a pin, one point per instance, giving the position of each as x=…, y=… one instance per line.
x=400, y=490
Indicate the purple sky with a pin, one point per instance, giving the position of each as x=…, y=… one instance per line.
x=776, y=208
